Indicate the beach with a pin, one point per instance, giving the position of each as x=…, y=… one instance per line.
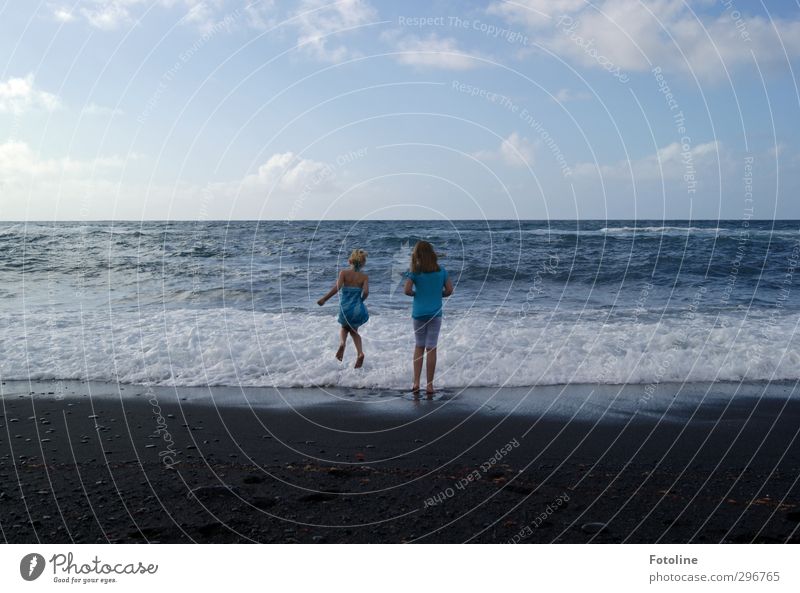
x=601, y=381
x=91, y=462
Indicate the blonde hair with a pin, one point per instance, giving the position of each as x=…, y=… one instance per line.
x=357, y=259
x=423, y=258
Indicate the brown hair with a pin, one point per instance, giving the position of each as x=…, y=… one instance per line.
x=423, y=258
x=357, y=259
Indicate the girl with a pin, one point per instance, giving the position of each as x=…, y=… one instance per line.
x=427, y=282
x=353, y=286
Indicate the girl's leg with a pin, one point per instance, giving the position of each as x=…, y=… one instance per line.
x=342, y=343
x=419, y=352
x=430, y=369
x=431, y=339
x=420, y=329
x=359, y=350
x=357, y=341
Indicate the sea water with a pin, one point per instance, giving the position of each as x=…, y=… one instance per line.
x=535, y=302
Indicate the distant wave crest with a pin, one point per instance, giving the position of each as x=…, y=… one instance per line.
x=662, y=229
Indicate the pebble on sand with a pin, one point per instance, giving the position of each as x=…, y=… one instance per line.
x=594, y=527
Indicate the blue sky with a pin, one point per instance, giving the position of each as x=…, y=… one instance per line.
x=180, y=109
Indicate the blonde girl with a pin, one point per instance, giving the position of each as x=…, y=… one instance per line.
x=353, y=288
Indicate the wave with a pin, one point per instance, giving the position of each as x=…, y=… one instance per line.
x=627, y=231
x=750, y=232
x=245, y=348
x=663, y=229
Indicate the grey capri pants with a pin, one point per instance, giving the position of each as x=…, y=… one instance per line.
x=426, y=331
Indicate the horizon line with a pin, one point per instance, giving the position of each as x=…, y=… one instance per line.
x=283, y=220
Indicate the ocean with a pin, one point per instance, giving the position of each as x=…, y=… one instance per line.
x=535, y=303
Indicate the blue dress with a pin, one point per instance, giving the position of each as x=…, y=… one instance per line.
x=352, y=310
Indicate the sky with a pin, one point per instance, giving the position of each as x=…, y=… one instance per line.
x=368, y=109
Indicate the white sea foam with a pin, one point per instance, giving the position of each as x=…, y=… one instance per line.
x=234, y=347
x=662, y=229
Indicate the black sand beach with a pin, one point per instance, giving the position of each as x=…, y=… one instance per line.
x=150, y=467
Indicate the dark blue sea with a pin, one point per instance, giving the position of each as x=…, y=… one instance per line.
x=535, y=303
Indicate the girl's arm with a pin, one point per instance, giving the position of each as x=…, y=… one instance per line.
x=409, y=287
x=338, y=285
x=365, y=289
x=448, y=288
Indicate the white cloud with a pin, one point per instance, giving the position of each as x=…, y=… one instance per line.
x=106, y=19
x=281, y=186
x=261, y=15
x=668, y=163
x=100, y=110
x=285, y=186
x=317, y=22
x=430, y=52
x=109, y=15
x=566, y=95
x=63, y=14
x=201, y=15
x=19, y=162
x=287, y=172
x=19, y=95
x=515, y=151
x=534, y=13
x=633, y=35
x=37, y=188
x=33, y=187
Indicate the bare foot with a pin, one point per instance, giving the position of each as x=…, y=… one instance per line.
x=340, y=352
x=359, y=361
x=429, y=392
x=415, y=391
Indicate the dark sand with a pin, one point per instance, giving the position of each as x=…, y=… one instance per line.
x=82, y=469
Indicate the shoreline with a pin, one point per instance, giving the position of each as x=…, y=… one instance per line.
x=98, y=469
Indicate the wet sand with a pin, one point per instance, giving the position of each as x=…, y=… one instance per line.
x=147, y=467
